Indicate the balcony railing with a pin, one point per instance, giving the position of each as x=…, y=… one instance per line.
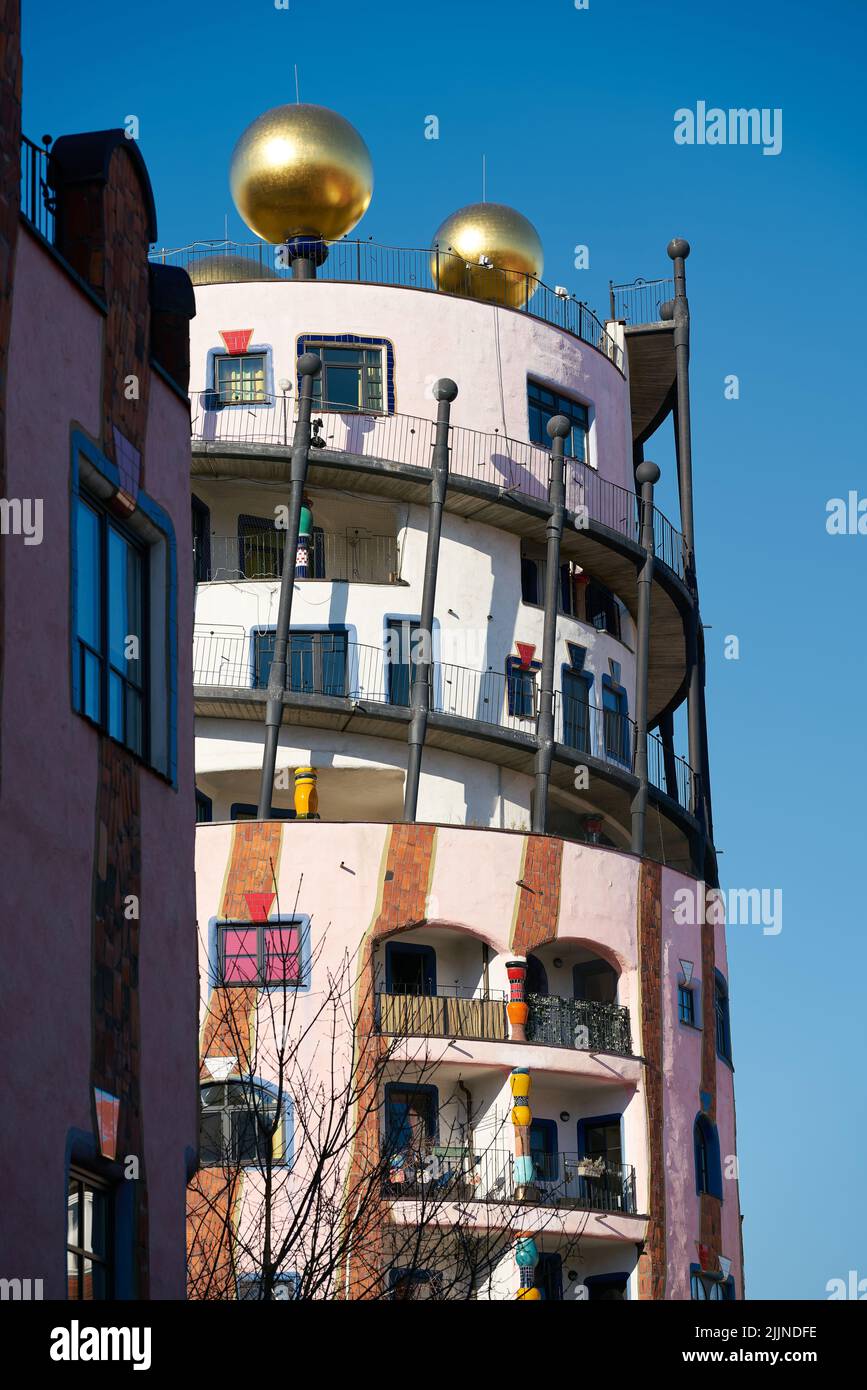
x=418, y=268
x=452, y=1012
x=640, y=301
x=518, y=467
x=37, y=200
x=579, y=1023
x=458, y=1173
x=231, y=658
x=334, y=555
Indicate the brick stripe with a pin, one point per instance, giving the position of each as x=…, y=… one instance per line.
x=710, y=1208
x=538, y=902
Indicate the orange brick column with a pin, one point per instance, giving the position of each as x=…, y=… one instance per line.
x=538, y=898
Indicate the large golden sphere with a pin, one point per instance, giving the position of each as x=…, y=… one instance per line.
x=301, y=171
x=482, y=233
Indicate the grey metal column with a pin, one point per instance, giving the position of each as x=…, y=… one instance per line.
x=646, y=475
x=309, y=366
x=678, y=250
x=558, y=429
x=444, y=392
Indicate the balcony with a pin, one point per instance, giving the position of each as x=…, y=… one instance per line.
x=511, y=465
x=460, y=1174
x=578, y=1023
x=640, y=301
x=452, y=1012
x=416, y=268
x=337, y=556
x=230, y=660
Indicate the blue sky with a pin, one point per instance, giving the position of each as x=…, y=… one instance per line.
x=574, y=112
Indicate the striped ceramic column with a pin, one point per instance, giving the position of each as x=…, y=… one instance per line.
x=526, y=1258
x=517, y=1007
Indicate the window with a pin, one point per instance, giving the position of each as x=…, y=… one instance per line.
x=606, y=1288
x=521, y=688
x=260, y=953
x=543, y=404
x=543, y=1148
x=201, y=522
x=721, y=1016
x=261, y=548
x=575, y=695
x=548, y=1277
x=111, y=645
x=530, y=580
x=315, y=662
x=686, y=1005
x=239, y=1126
x=536, y=980
x=411, y=1116
x=410, y=969
x=403, y=648
x=704, y=1287
x=602, y=609
x=283, y=1288
x=595, y=980
x=616, y=722
x=240, y=380
x=88, y=1238
x=350, y=380
x=411, y=1285
x=708, y=1171
x=204, y=808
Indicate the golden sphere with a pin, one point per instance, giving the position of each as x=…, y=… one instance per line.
x=482, y=233
x=221, y=270
x=301, y=171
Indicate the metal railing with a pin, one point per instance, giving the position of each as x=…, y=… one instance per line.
x=231, y=658
x=640, y=301
x=579, y=1023
x=449, y=1012
x=681, y=785
x=333, y=555
x=37, y=200
x=460, y=1173
x=418, y=268
x=514, y=465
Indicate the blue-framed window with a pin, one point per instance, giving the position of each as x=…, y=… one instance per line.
x=602, y=608
x=411, y=1118
x=686, y=1005
x=708, y=1169
x=283, y=1289
x=204, y=808
x=605, y=1288
x=90, y=1238
x=705, y=1288
x=357, y=373
x=111, y=625
x=201, y=524
x=245, y=810
x=722, y=1022
x=575, y=694
x=543, y=404
x=402, y=649
x=315, y=661
x=410, y=968
x=548, y=1276
x=239, y=381
x=544, y=1150
x=244, y=1124
x=596, y=981
x=615, y=716
x=271, y=953
x=521, y=688
x=600, y=1136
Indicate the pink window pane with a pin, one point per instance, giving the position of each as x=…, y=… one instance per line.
x=281, y=955
x=240, y=956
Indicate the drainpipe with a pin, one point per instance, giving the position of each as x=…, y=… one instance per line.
x=678, y=250
x=309, y=366
x=421, y=660
x=646, y=475
x=558, y=428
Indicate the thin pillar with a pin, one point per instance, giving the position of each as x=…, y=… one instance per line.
x=558, y=429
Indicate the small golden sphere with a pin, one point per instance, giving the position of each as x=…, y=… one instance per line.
x=488, y=251
x=301, y=171
x=221, y=270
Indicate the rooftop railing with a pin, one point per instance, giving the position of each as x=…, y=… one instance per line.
x=460, y=1173
x=232, y=658
x=37, y=200
x=641, y=301
x=418, y=268
x=515, y=466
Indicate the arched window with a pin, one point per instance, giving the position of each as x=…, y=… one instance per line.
x=708, y=1172
x=721, y=1017
x=537, y=978
x=241, y=1128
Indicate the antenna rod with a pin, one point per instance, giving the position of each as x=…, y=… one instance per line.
x=484, y=178
x=297, y=90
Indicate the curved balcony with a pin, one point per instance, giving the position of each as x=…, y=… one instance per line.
x=494, y=480
x=416, y=268
x=480, y=714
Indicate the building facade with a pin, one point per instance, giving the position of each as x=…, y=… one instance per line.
x=494, y=831
x=96, y=783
